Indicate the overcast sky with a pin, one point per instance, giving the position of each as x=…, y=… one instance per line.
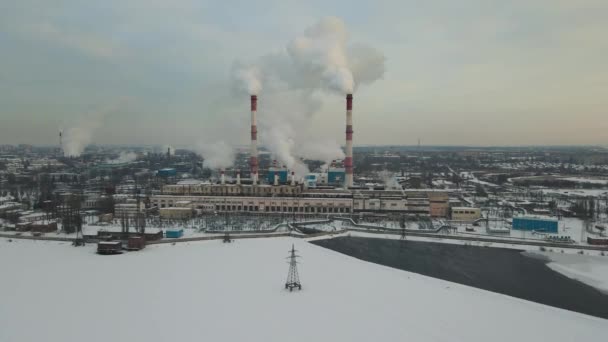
x=468, y=72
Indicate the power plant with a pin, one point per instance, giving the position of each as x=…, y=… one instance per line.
x=332, y=191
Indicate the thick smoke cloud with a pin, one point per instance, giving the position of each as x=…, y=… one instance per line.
x=294, y=80
x=321, y=58
x=247, y=78
x=320, y=52
x=217, y=155
x=76, y=138
x=124, y=157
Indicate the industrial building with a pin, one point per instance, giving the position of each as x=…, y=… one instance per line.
x=330, y=191
x=129, y=209
x=465, y=214
x=299, y=198
x=176, y=213
x=535, y=223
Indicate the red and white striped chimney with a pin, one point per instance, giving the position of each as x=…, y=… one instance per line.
x=348, y=161
x=253, y=159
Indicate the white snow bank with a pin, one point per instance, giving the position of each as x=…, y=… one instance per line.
x=589, y=269
x=210, y=291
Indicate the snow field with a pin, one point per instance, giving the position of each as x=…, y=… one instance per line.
x=210, y=291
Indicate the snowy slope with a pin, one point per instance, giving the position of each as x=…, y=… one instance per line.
x=209, y=291
x=589, y=269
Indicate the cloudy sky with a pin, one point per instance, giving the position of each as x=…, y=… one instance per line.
x=472, y=72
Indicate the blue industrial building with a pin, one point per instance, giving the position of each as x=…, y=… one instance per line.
x=336, y=176
x=282, y=173
x=174, y=233
x=536, y=224
x=167, y=172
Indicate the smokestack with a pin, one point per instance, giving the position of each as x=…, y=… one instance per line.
x=293, y=178
x=253, y=158
x=348, y=161
x=222, y=177
x=276, y=178
x=238, y=177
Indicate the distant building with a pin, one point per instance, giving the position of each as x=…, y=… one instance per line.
x=176, y=213
x=534, y=223
x=466, y=214
x=438, y=204
x=281, y=173
x=167, y=172
x=128, y=209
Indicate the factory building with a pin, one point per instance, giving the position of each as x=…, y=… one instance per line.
x=438, y=204
x=465, y=214
x=534, y=223
x=301, y=204
x=328, y=192
x=207, y=189
x=167, y=172
x=277, y=174
x=176, y=213
x=129, y=209
x=298, y=198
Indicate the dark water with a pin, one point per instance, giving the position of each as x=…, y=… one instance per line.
x=499, y=270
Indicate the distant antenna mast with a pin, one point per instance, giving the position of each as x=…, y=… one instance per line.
x=61, y=143
x=293, y=279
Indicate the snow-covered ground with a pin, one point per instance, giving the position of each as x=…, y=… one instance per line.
x=577, y=192
x=210, y=291
x=589, y=269
x=586, y=180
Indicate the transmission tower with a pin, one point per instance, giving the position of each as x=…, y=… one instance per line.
x=227, y=238
x=293, y=279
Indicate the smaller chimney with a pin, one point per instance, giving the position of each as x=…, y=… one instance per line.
x=293, y=178
x=238, y=177
x=276, y=179
x=222, y=177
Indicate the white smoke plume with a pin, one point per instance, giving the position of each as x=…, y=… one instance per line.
x=247, y=78
x=76, y=138
x=320, y=60
x=124, y=157
x=323, y=150
x=389, y=180
x=217, y=155
x=321, y=52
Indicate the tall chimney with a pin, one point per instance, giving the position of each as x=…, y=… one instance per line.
x=222, y=177
x=238, y=177
x=348, y=161
x=293, y=178
x=276, y=178
x=253, y=159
